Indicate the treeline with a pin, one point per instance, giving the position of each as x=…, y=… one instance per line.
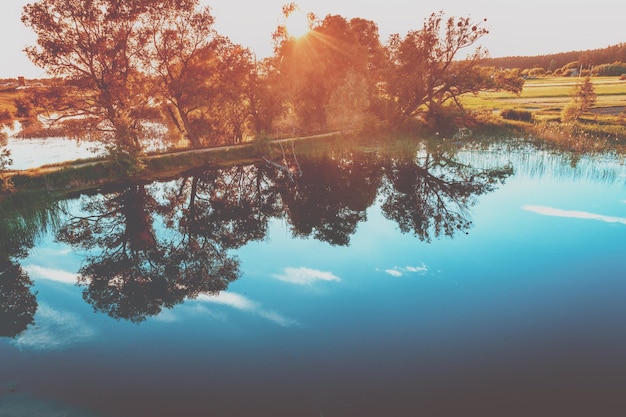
x=552, y=62
x=138, y=69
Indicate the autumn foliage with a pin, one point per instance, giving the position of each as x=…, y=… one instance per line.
x=128, y=71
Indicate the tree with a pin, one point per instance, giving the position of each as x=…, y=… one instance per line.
x=265, y=96
x=583, y=99
x=5, y=154
x=94, y=47
x=180, y=56
x=335, y=54
x=229, y=109
x=5, y=159
x=426, y=71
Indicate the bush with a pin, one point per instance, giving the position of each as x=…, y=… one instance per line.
x=570, y=113
x=521, y=115
x=24, y=108
x=611, y=70
x=5, y=159
x=5, y=118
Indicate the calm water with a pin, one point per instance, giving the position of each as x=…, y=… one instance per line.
x=486, y=281
x=33, y=153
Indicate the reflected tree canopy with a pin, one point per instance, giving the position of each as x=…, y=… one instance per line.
x=23, y=220
x=124, y=269
x=429, y=195
x=17, y=303
x=150, y=246
x=331, y=197
x=135, y=269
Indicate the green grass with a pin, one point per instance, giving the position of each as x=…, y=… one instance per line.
x=548, y=95
x=601, y=130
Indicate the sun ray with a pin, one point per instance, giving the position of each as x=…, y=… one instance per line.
x=297, y=24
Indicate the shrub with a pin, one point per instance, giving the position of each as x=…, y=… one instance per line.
x=5, y=117
x=24, y=108
x=570, y=113
x=5, y=159
x=521, y=115
x=611, y=70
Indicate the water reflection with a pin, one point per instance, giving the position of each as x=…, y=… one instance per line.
x=430, y=194
x=329, y=200
x=369, y=320
x=150, y=246
x=23, y=220
x=17, y=303
x=135, y=269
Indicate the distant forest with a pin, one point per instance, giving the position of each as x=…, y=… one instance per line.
x=550, y=63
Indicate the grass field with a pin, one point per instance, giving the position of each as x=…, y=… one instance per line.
x=546, y=97
x=603, y=129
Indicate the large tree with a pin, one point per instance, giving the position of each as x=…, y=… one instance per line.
x=329, y=67
x=200, y=75
x=94, y=46
x=427, y=71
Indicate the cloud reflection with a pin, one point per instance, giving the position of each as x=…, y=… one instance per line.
x=58, y=275
x=550, y=211
x=55, y=330
x=305, y=276
x=243, y=303
x=399, y=272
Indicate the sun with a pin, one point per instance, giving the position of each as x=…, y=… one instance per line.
x=297, y=24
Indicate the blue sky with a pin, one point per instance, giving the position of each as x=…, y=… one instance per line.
x=529, y=27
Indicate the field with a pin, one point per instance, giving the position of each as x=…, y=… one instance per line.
x=546, y=97
x=542, y=101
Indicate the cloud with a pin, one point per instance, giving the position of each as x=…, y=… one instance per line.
x=399, y=272
x=54, y=330
x=305, y=276
x=243, y=303
x=58, y=275
x=550, y=211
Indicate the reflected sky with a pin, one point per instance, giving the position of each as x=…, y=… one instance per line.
x=551, y=211
x=525, y=304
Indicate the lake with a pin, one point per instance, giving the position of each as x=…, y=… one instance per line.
x=450, y=279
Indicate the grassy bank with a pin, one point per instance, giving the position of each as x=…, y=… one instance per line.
x=95, y=173
x=539, y=108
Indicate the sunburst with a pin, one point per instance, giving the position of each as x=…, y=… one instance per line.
x=297, y=24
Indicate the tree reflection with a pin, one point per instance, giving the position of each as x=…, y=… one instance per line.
x=17, y=303
x=150, y=247
x=330, y=199
x=228, y=206
x=132, y=272
x=430, y=194
x=24, y=218
x=145, y=255
x=123, y=272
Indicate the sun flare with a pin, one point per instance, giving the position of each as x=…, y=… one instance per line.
x=297, y=24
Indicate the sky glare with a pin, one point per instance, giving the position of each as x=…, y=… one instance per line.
x=530, y=27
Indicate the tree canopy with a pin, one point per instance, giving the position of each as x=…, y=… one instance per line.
x=136, y=69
